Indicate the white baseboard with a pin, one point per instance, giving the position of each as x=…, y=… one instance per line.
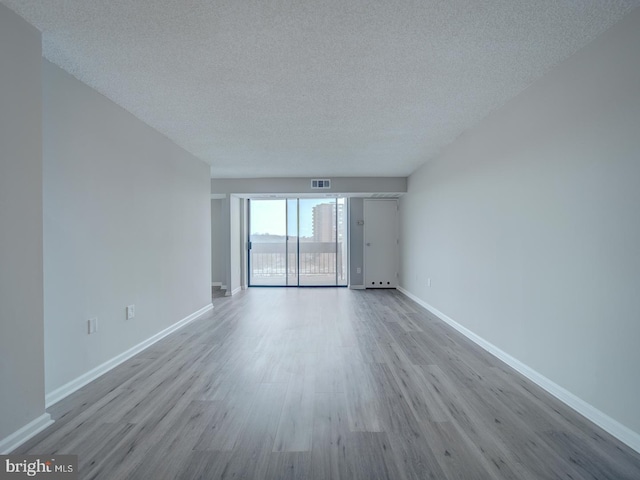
x=615, y=428
x=234, y=291
x=67, y=389
x=356, y=287
x=216, y=284
x=223, y=287
x=31, y=429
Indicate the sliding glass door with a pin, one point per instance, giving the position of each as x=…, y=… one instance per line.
x=298, y=242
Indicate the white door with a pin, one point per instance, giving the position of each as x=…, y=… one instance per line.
x=380, y=243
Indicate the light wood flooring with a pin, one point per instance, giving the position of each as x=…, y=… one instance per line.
x=321, y=384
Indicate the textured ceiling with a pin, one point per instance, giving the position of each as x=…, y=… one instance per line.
x=313, y=87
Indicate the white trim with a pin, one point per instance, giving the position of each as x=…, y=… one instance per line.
x=67, y=389
x=235, y=290
x=356, y=287
x=223, y=287
x=31, y=429
x=615, y=428
x=216, y=284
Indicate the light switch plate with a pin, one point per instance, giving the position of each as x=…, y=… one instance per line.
x=92, y=324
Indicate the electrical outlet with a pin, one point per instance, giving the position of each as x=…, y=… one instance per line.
x=358, y=270
x=92, y=324
x=131, y=311
x=428, y=282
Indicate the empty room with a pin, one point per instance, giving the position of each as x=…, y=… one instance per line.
x=320, y=239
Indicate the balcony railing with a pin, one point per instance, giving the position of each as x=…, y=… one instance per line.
x=316, y=258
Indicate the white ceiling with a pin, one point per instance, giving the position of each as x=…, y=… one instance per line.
x=261, y=88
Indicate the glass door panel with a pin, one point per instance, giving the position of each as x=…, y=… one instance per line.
x=268, y=244
x=318, y=250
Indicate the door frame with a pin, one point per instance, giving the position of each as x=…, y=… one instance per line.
x=345, y=229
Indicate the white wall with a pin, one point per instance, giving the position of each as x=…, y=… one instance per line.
x=242, y=242
x=126, y=221
x=235, y=257
x=218, y=243
x=529, y=226
x=21, y=306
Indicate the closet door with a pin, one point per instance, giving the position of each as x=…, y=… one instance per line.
x=381, y=255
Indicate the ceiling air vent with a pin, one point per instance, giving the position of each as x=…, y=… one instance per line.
x=323, y=184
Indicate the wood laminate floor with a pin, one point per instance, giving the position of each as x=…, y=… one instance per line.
x=321, y=384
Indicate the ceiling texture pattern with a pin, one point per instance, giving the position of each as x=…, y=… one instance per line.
x=273, y=88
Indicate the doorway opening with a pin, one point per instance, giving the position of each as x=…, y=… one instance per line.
x=298, y=242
